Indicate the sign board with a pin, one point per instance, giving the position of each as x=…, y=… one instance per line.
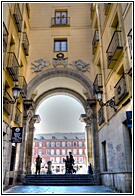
x=129, y=118
x=17, y=133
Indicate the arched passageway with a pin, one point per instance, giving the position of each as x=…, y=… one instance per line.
x=77, y=85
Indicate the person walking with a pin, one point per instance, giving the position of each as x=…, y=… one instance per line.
x=67, y=164
x=38, y=164
x=71, y=162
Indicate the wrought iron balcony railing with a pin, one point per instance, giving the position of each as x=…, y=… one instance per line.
x=97, y=84
x=60, y=21
x=120, y=90
x=12, y=65
x=114, y=49
x=95, y=41
x=23, y=86
x=17, y=17
x=25, y=43
x=92, y=9
x=5, y=37
x=107, y=7
x=18, y=116
x=28, y=9
x=130, y=42
x=6, y=105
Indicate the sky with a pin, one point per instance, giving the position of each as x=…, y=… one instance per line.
x=59, y=113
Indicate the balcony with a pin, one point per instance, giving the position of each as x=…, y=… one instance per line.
x=120, y=90
x=107, y=7
x=18, y=116
x=129, y=36
x=6, y=105
x=12, y=65
x=17, y=17
x=60, y=21
x=5, y=37
x=101, y=116
x=92, y=9
x=114, y=49
x=28, y=9
x=25, y=43
x=23, y=86
x=97, y=84
x=95, y=41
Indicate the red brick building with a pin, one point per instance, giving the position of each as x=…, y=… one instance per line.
x=55, y=146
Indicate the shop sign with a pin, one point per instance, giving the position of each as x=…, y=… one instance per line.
x=17, y=133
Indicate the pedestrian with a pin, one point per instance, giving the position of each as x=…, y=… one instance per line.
x=71, y=163
x=90, y=169
x=38, y=164
x=67, y=164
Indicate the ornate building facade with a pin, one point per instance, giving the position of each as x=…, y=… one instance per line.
x=83, y=50
x=55, y=147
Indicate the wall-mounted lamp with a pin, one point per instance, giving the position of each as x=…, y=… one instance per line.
x=110, y=102
x=15, y=92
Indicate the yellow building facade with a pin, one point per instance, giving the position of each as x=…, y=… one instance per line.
x=79, y=49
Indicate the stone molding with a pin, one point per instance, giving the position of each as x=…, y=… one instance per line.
x=61, y=72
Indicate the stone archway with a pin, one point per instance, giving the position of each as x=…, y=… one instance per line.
x=88, y=86
x=61, y=72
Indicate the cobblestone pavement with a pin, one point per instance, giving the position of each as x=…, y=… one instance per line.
x=58, y=189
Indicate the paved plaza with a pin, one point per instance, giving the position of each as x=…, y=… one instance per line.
x=58, y=189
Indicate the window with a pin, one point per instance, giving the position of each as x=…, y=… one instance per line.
x=57, y=151
x=63, y=144
x=80, y=151
x=63, y=151
x=60, y=45
x=57, y=144
x=80, y=143
x=39, y=152
x=68, y=143
x=40, y=144
x=52, y=144
x=130, y=42
x=52, y=151
x=61, y=18
x=57, y=159
x=80, y=160
x=74, y=144
x=48, y=152
x=75, y=151
x=47, y=144
x=68, y=150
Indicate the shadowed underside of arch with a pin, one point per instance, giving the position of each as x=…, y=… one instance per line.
x=56, y=91
x=61, y=72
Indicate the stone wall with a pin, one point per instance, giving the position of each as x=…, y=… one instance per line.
x=119, y=182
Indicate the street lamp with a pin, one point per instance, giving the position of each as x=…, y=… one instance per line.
x=110, y=102
x=15, y=92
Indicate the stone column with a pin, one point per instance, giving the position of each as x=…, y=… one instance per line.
x=89, y=144
x=93, y=145
x=28, y=115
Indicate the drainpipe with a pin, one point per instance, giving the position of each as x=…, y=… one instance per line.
x=101, y=57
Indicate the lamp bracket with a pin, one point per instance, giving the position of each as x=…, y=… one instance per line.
x=110, y=103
